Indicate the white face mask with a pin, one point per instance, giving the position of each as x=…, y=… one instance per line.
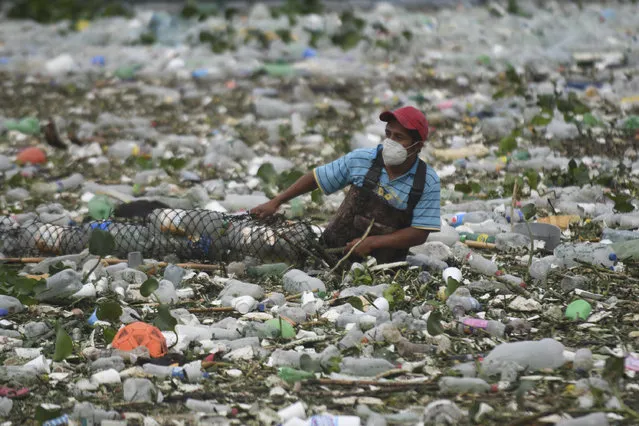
x=394, y=153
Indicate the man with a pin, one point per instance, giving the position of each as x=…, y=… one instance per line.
x=389, y=184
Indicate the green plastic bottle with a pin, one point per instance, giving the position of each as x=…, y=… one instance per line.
x=267, y=270
x=28, y=125
x=579, y=309
x=291, y=375
x=100, y=207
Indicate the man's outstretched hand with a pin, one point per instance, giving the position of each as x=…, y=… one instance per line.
x=266, y=210
x=364, y=248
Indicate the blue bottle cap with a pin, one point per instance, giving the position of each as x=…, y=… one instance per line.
x=199, y=73
x=613, y=257
x=4, y=312
x=309, y=52
x=93, y=318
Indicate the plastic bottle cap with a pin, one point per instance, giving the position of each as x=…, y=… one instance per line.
x=4, y=312
x=612, y=256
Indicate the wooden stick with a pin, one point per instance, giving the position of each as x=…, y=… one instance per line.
x=342, y=382
x=215, y=309
x=480, y=245
x=343, y=259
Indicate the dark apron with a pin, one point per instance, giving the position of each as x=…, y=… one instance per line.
x=364, y=204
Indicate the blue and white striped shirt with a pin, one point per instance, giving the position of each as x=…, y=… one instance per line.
x=352, y=169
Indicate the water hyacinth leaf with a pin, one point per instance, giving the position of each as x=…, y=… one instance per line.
x=149, y=286
x=451, y=285
x=109, y=334
x=164, y=320
x=529, y=211
x=109, y=310
x=434, y=325
x=63, y=345
x=101, y=243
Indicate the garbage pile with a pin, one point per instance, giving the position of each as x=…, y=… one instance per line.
x=521, y=310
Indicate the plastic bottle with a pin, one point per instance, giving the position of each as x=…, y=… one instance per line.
x=583, y=360
x=480, y=264
x=481, y=238
x=510, y=241
x=327, y=420
x=618, y=235
x=267, y=270
x=296, y=281
x=594, y=419
x=122, y=150
x=627, y=249
x=365, y=367
x=470, y=217
x=10, y=305
x=463, y=385
x=100, y=207
x=62, y=284
x=494, y=328
x=461, y=301
x=426, y=262
x=534, y=355
x=291, y=375
x=594, y=254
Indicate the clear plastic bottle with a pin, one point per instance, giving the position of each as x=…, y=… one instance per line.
x=594, y=419
x=617, y=235
x=480, y=264
x=458, y=385
x=426, y=262
x=296, y=281
x=583, y=360
x=534, y=355
x=365, y=367
x=461, y=301
x=594, y=254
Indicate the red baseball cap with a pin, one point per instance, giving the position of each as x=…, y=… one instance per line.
x=409, y=117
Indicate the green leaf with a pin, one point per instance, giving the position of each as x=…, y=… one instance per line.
x=149, y=286
x=476, y=187
x=541, y=120
x=27, y=300
x=288, y=178
x=622, y=202
x=451, y=285
x=507, y=144
x=533, y=178
x=512, y=76
x=42, y=414
x=356, y=303
x=464, y=188
x=317, y=197
x=109, y=310
x=434, y=325
x=614, y=370
x=546, y=103
x=63, y=345
x=394, y=294
x=175, y=163
x=164, y=320
x=24, y=285
x=267, y=173
x=529, y=211
x=109, y=334
x=101, y=243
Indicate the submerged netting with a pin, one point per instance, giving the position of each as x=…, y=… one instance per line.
x=195, y=235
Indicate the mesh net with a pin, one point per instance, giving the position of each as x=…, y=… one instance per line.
x=191, y=235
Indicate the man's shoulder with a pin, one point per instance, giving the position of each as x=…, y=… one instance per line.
x=361, y=156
